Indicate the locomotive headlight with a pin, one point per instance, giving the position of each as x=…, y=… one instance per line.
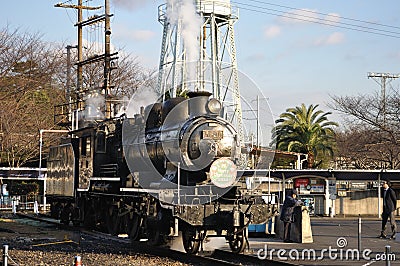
x=214, y=106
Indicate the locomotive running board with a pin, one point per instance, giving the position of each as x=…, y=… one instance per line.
x=139, y=190
x=115, y=179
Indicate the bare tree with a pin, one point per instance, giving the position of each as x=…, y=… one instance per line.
x=33, y=81
x=372, y=138
x=127, y=73
x=27, y=93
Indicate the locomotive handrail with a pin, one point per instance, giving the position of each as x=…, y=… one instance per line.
x=194, y=199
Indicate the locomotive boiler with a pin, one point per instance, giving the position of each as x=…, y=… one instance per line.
x=184, y=132
x=170, y=169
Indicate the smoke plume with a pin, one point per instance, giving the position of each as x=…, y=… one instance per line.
x=94, y=107
x=141, y=98
x=184, y=12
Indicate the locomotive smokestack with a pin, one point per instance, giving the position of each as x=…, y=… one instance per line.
x=193, y=94
x=198, y=102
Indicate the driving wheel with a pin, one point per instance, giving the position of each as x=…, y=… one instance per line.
x=134, y=234
x=237, y=242
x=191, y=240
x=113, y=220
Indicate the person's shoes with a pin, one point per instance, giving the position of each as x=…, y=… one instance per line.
x=288, y=241
x=382, y=236
x=393, y=236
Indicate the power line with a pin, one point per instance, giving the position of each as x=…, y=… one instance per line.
x=325, y=14
x=316, y=20
x=325, y=20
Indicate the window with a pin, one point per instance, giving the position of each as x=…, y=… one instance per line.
x=101, y=142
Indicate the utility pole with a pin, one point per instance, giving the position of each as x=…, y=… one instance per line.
x=68, y=92
x=382, y=79
x=258, y=122
x=80, y=7
x=107, y=57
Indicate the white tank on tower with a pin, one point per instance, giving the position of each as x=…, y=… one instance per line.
x=217, y=7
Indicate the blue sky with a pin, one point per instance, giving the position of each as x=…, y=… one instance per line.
x=292, y=61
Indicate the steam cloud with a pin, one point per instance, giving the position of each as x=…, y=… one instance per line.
x=94, y=106
x=184, y=11
x=142, y=97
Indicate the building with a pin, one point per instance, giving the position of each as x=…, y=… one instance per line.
x=330, y=192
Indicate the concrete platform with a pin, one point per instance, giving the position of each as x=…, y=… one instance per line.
x=335, y=243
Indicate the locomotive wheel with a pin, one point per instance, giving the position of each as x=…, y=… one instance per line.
x=237, y=242
x=65, y=214
x=191, y=240
x=89, y=217
x=113, y=220
x=76, y=217
x=154, y=237
x=125, y=224
x=135, y=231
x=55, y=210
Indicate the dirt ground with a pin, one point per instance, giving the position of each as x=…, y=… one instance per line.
x=32, y=244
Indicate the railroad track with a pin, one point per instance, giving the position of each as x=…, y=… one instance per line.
x=216, y=257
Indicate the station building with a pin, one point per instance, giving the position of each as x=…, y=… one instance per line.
x=330, y=192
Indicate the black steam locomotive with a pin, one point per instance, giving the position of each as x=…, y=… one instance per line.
x=170, y=169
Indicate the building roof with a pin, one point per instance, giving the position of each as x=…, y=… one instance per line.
x=392, y=175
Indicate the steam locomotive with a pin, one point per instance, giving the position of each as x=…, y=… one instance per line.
x=171, y=168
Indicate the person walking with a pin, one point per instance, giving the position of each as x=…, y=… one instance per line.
x=287, y=213
x=389, y=207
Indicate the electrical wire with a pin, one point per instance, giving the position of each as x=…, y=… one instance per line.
x=326, y=22
x=69, y=17
x=67, y=12
x=325, y=14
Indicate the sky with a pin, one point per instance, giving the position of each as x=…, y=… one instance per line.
x=291, y=60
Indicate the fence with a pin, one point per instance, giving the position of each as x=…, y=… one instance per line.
x=22, y=203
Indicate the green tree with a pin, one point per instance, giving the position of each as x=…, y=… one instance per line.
x=305, y=130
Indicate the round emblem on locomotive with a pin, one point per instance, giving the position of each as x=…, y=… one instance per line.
x=223, y=173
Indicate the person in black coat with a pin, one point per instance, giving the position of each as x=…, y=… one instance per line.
x=287, y=213
x=389, y=207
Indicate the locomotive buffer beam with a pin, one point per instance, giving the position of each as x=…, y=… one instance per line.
x=225, y=217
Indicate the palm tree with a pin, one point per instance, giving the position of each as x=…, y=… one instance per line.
x=305, y=130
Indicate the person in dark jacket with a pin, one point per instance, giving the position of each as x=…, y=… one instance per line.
x=287, y=213
x=389, y=206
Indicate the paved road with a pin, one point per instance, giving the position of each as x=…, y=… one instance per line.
x=335, y=243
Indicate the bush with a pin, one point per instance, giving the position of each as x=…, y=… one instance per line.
x=24, y=188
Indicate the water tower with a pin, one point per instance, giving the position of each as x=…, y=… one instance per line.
x=198, y=52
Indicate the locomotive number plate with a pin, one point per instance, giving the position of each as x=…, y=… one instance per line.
x=213, y=134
